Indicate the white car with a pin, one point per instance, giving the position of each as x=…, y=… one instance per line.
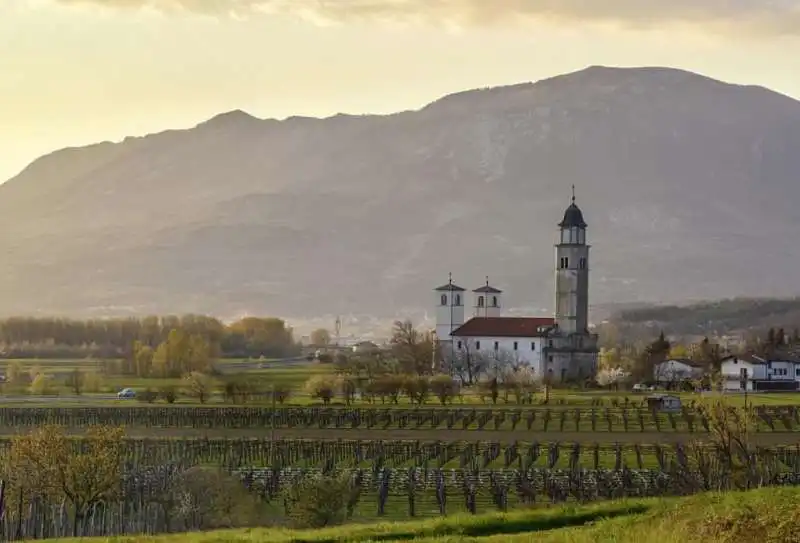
x=639, y=387
x=126, y=393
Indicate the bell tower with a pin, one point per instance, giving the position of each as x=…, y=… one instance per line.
x=486, y=301
x=449, y=309
x=572, y=273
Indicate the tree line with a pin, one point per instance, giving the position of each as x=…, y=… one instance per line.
x=32, y=337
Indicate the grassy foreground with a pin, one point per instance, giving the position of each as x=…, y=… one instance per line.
x=765, y=516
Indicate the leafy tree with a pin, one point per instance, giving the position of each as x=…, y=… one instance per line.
x=44, y=463
x=92, y=382
x=678, y=351
x=41, y=386
x=322, y=387
x=199, y=385
x=76, y=381
x=255, y=337
x=320, y=336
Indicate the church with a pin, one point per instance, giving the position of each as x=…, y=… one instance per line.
x=559, y=348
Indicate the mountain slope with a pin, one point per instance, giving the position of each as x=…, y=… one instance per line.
x=688, y=185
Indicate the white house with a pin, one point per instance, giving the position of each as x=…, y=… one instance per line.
x=675, y=370
x=560, y=347
x=777, y=373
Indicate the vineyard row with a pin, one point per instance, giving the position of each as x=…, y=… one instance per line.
x=374, y=455
x=541, y=419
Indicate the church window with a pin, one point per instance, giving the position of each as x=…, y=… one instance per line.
x=550, y=343
x=496, y=345
x=564, y=263
x=458, y=299
x=477, y=345
x=583, y=263
x=494, y=301
x=480, y=301
x=550, y=358
x=444, y=299
x=516, y=345
x=533, y=345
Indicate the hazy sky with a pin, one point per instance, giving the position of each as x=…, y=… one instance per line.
x=74, y=72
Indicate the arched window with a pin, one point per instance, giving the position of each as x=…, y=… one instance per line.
x=444, y=299
x=458, y=299
x=494, y=301
x=480, y=301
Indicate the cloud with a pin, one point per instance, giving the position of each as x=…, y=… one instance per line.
x=755, y=16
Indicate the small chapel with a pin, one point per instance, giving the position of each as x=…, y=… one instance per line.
x=558, y=348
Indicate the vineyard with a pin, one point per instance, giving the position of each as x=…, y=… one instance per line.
x=390, y=480
x=635, y=419
x=327, y=455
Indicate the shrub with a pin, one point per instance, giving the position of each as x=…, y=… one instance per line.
x=315, y=502
x=444, y=387
x=147, y=396
x=209, y=498
x=168, y=393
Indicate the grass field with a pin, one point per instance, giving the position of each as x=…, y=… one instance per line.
x=765, y=515
x=294, y=375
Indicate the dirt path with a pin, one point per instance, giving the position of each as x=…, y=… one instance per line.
x=763, y=439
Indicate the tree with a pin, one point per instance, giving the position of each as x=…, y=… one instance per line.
x=469, y=363
x=678, y=351
x=143, y=359
x=44, y=463
x=322, y=387
x=180, y=353
x=412, y=349
x=40, y=386
x=654, y=354
x=199, y=385
x=321, y=337
x=76, y=381
x=444, y=387
x=347, y=387
x=255, y=337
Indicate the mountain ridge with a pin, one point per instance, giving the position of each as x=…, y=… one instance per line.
x=361, y=213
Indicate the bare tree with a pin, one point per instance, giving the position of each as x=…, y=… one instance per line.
x=469, y=363
x=412, y=348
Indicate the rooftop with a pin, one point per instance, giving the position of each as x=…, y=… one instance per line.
x=503, y=327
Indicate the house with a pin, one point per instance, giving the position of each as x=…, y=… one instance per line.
x=778, y=373
x=560, y=347
x=675, y=370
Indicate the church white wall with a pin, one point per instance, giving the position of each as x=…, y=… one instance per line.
x=444, y=325
x=528, y=349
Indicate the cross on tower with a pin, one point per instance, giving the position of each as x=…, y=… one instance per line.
x=573, y=194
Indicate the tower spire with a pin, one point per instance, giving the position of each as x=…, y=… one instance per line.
x=487, y=280
x=573, y=194
x=450, y=278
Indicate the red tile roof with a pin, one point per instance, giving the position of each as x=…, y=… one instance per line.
x=503, y=327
